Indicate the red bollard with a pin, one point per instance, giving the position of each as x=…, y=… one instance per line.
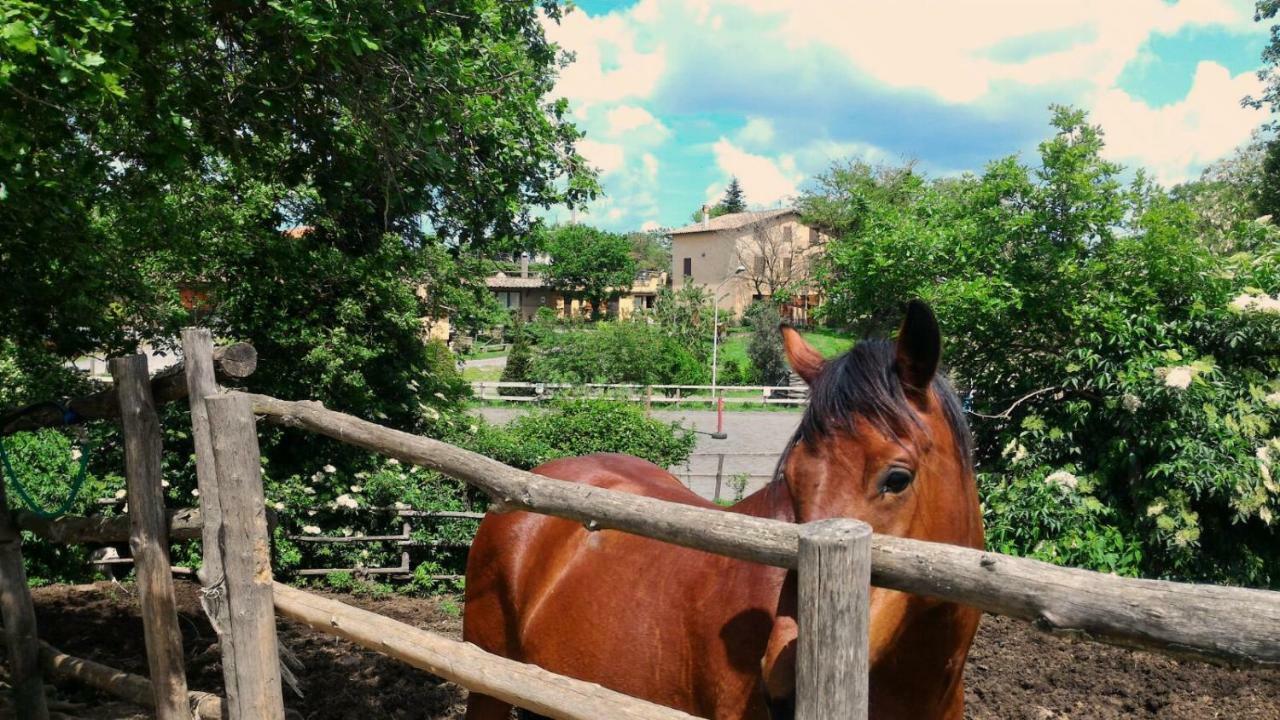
x=719, y=434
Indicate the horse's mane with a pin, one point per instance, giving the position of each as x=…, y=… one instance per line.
x=864, y=383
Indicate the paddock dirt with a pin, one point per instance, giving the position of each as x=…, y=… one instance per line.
x=1013, y=671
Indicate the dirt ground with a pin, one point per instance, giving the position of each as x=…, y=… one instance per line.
x=1013, y=671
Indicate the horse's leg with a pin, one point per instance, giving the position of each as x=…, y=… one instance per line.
x=483, y=707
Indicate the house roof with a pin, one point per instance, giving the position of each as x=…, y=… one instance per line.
x=733, y=221
x=513, y=282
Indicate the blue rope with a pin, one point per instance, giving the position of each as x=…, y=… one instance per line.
x=68, y=416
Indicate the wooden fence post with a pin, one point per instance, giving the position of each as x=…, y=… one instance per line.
x=250, y=633
x=719, y=476
x=149, y=536
x=197, y=354
x=834, y=579
x=19, y=615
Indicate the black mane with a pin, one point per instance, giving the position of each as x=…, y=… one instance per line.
x=864, y=383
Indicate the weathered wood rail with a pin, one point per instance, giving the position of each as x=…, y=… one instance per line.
x=1220, y=624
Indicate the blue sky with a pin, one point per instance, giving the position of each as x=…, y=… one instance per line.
x=677, y=96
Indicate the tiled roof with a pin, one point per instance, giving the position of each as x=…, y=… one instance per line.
x=513, y=282
x=733, y=221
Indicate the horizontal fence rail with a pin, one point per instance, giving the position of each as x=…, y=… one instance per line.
x=655, y=394
x=1224, y=624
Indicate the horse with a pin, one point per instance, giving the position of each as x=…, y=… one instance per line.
x=883, y=439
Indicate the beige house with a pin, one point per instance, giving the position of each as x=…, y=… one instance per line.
x=528, y=291
x=774, y=250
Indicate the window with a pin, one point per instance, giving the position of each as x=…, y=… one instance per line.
x=786, y=266
x=688, y=267
x=759, y=265
x=509, y=299
x=786, y=234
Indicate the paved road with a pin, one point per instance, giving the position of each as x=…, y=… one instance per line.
x=755, y=441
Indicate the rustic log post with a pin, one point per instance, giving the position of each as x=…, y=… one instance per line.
x=197, y=355
x=133, y=688
x=249, y=634
x=834, y=581
x=21, y=642
x=719, y=475
x=149, y=537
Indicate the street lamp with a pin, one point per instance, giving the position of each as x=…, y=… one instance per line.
x=719, y=434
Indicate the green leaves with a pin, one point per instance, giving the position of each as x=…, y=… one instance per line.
x=18, y=36
x=1109, y=319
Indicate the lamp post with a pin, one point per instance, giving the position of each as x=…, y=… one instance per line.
x=719, y=434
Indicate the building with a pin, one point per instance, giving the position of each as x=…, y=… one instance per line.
x=747, y=256
x=527, y=291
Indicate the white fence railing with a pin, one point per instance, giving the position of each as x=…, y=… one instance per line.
x=649, y=394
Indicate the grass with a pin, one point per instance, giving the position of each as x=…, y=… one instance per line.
x=481, y=374
x=487, y=354
x=827, y=342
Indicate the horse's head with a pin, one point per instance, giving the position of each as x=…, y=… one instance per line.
x=883, y=439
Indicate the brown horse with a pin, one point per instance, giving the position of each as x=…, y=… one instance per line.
x=882, y=440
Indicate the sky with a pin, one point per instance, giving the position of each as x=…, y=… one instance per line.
x=678, y=96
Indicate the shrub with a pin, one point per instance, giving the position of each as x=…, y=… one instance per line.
x=518, y=359
x=765, y=348
x=583, y=426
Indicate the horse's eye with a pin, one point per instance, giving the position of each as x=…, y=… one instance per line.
x=895, y=480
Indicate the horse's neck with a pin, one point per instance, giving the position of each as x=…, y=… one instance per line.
x=772, y=501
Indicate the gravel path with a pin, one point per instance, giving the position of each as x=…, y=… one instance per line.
x=755, y=441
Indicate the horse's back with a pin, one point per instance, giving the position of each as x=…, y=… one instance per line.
x=609, y=607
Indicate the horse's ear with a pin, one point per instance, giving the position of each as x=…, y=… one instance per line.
x=801, y=356
x=919, y=349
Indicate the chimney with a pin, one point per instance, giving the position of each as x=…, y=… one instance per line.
x=524, y=264
x=706, y=216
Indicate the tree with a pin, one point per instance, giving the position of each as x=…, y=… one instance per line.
x=519, y=359
x=777, y=263
x=590, y=264
x=149, y=146
x=1118, y=366
x=734, y=200
x=765, y=348
x=651, y=250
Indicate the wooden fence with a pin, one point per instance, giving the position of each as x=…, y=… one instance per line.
x=836, y=562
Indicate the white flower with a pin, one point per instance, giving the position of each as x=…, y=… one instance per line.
x=1020, y=453
x=431, y=413
x=1264, y=512
x=400, y=506
x=311, y=529
x=75, y=453
x=121, y=493
x=309, y=490
x=441, y=396
x=346, y=532
x=311, y=513
x=125, y=509
x=392, y=461
x=356, y=488
x=1178, y=377
x=317, y=477
x=1156, y=508
x=330, y=469
x=1263, y=453
x=1273, y=398
x=164, y=483
x=1131, y=402
x=1063, y=479
x=278, y=506
x=473, y=428
x=361, y=475
x=346, y=501
x=196, y=492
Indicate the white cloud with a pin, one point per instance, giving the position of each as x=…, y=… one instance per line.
x=650, y=225
x=758, y=131
x=606, y=157
x=946, y=49
x=1176, y=140
x=634, y=121
x=650, y=167
x=765, y=181
x=609, y=65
